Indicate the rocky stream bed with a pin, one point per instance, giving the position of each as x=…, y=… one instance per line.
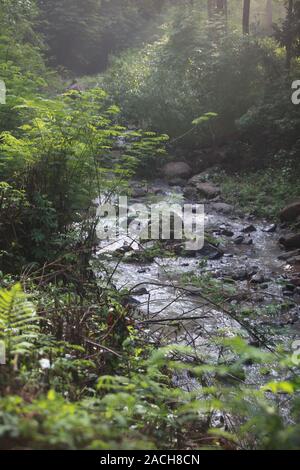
x=243, y=280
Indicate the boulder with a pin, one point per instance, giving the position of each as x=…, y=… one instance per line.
x=196, y=188
x=291, y=241
x=290, y=212
x=175, y=170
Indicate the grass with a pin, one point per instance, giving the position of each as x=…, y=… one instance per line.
x=262, y=193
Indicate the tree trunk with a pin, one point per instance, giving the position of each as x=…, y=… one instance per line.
x=269, y=16
x=246, y=16
x=221, y=6
x=217, y=6
x=289, y=42
x=210, y=8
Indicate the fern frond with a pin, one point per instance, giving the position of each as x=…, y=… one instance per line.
x=18, y=322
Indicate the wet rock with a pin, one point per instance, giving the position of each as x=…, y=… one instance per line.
x=177, y=170
x=241, y=275
x=291, y=241
x=156, y=190
x=222, y=207
x=264, y=286
x=196, y=188
x=239, y=240
x=249, y=241
x=288, y=293
x=289, y=255
x=129, y=300
x=177, y=182
x=138, y=192
x=290, y=212
x=143, y=271
x=226, y=232
x=270, y=229
x=142, y=291
x=209, y=251
x=124, y=249
x=258, y=278
x=249, y=229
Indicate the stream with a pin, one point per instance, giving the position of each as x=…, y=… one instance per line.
x=248, y=272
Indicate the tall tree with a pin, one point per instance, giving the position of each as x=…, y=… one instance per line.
x=246, y=16
x=289, y=35
x=269, y=16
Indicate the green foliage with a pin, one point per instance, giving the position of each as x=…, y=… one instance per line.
x=27, y=228
x=18, y=323
x=81, y=36
x=63, y=151
x=262, y=193
x=185, y=74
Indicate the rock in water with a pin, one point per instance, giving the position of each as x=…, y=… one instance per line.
x=249, y=229
x=239, y=240
x=175, y=170
x=271, y=229
x=291, y=212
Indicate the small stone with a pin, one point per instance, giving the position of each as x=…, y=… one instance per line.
x=288, y=293
x=239, y=240
x=271, y=229
x=258, y=278
x=226, y=232
x=249, y=229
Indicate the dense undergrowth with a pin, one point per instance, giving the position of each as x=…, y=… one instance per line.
x=80, y=372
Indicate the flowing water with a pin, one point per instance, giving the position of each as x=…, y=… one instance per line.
x=169, y=312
